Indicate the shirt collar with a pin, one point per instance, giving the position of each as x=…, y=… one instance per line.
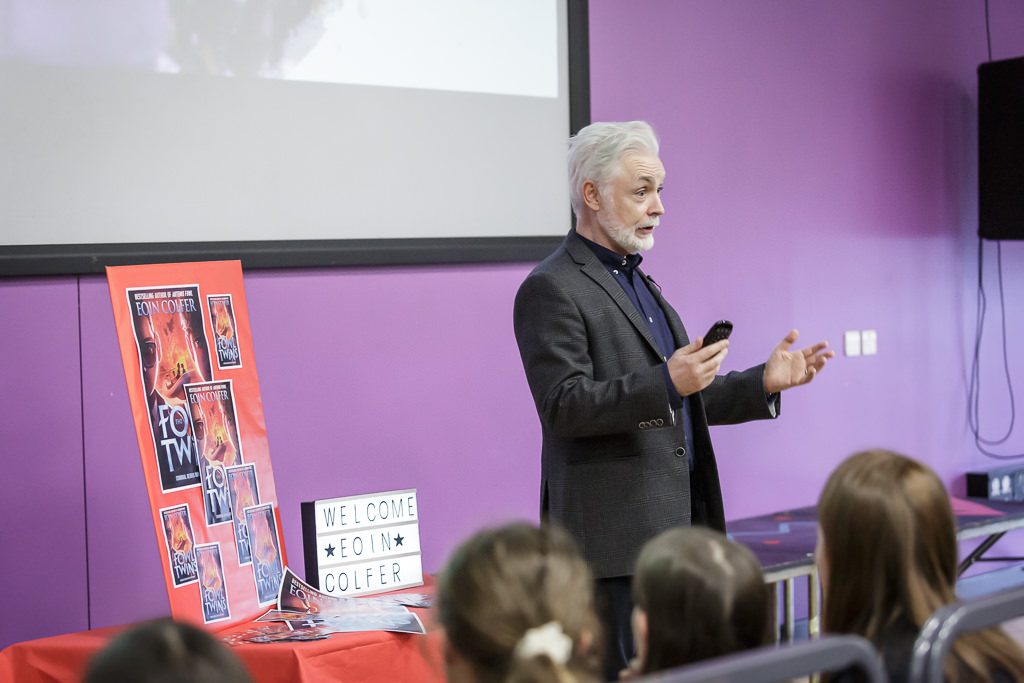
x=611, y=259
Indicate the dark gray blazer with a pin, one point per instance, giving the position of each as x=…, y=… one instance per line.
x=614, y=470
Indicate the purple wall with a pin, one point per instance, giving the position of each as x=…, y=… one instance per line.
x=821, y=166
x=821, y=174
x=42, y=530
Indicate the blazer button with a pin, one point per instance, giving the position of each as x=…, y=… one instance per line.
x=680, y=451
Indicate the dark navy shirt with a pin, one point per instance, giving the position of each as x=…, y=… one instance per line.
x=624, y=270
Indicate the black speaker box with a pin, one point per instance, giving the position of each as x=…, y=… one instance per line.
x=1001, y=149
x=1003, y=483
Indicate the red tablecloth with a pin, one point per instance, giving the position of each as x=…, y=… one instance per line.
x=372, y=656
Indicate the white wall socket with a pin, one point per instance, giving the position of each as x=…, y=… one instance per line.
x=851, y=342
x=868, y=342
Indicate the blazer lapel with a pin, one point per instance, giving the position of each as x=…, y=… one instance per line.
x=595, y=270
x=674, y=323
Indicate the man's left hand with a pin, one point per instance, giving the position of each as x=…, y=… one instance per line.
x=786, y=369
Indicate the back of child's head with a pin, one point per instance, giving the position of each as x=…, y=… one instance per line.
x=888, y=543
x=165, y=651
x=888, y=560
x=516, y=603
x=702, y=596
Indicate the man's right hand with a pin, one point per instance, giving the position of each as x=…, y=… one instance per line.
x=694, y=366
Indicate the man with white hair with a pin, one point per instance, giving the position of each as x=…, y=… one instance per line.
x=624, y=397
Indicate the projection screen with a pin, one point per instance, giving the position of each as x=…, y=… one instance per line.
x=286, y=133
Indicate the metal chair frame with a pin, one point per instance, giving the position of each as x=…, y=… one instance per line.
x=942, y=628
x=781, y=663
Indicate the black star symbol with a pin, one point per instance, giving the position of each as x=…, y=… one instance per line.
x=398, y=539
x=329, y=550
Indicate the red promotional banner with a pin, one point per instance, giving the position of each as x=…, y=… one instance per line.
x=183, y=329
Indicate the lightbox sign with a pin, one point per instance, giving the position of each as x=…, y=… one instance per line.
x=358, y=545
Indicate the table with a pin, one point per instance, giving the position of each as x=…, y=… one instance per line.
x=370, y=656
x=784, y=544
x=1005, y=516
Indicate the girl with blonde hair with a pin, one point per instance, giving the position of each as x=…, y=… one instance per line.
x=517, y=605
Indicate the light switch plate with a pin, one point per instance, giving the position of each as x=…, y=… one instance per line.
x=868, y=342
x=851, y=342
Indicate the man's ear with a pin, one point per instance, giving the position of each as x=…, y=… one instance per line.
x=591, y=195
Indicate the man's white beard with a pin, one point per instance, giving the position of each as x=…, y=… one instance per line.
x=628, y=239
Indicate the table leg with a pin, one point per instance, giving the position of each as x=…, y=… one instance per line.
x=788, y=608
x=773, y=600
x=976, y=554
x=813, y=605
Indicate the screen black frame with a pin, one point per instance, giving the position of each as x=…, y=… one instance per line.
x=77, y=259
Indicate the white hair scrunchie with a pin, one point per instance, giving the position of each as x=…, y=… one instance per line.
x=549, y=640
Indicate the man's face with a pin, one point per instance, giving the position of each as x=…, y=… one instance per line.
x=199, y=425
x=631, y=204
x=150, y=350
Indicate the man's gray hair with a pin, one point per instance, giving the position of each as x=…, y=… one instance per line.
x=595, y=151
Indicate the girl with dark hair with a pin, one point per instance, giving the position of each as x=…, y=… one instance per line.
x=165, y=651
x=698, y=595
x=516, y=604
x=887, y=555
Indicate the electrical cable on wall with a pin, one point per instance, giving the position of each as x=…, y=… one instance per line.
x=974, y=389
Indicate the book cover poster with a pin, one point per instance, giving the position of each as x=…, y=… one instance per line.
x=181, y=543
x=267, y=567
x=222, y=320
x=213, y=590
x=171, y=341
x=211, y=408
x=194, y=422
x=245, y=492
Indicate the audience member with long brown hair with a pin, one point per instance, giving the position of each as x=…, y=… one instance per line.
x=698, y=595
x=517, y=605
x=888, y=559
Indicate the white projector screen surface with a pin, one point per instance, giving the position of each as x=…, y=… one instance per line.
x=191, y=121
